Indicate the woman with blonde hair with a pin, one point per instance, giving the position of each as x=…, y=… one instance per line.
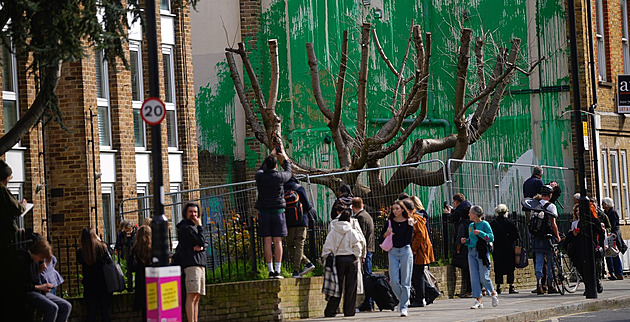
x=92, y=256
x=505, y=237
x=140, y=258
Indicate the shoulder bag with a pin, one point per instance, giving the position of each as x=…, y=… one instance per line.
x=520, y=256
x=114, y=278
x=388, y=242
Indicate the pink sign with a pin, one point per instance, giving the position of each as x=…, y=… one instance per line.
x=163, y=294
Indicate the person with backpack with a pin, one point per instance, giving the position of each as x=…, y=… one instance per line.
x=297, y=213
x=542, y=224
x=344, y=199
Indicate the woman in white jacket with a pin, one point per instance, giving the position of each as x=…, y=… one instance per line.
x=348, y=245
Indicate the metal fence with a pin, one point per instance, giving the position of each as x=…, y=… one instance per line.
x=229, y=217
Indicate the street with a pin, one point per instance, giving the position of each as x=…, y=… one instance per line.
x=600, y=316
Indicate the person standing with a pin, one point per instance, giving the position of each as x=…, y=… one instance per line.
x=459, y=216
x=367, y=228
x=479, y=235
x=270, y=204
x=505, y=237
x=541, y=243
x=191, y=255
x=92, y=256
x=11, y=208
x=532, y=186
x=139, y=259
x=38, y=293
x=614, y=263
x=347, y=244
x=422, y=250
x=344, y=199
x=297, y=214
x=400, y=256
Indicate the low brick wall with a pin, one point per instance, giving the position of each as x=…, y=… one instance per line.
x=275, y=300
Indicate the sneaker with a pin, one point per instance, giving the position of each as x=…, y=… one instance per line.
x=307, y=268
x=296, y=274
x=273, y=275
x=495, y=300
x=477, y=305
x=404, y=313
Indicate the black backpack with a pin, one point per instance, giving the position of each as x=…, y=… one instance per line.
x=539, y=224
x=293, y=211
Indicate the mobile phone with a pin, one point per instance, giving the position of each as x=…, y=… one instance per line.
x=445, y=204
x=278, y=149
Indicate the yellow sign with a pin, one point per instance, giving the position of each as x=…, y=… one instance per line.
x=152, y=296
x=585, y=128
x=169, y=295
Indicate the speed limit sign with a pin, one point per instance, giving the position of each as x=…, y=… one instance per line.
x=153, y=111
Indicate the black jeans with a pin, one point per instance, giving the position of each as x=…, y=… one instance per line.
x=93, y=301
x=498, y=278
x=347, y=270
x=418, y=282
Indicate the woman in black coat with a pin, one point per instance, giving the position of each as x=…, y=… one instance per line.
x=139, y=259
x=92, y=255
x=505, y=237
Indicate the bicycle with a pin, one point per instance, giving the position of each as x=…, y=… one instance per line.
x=565, y=275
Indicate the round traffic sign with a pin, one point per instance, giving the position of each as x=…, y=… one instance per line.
x=153, y=111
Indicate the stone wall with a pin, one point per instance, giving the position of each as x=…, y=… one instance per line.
x=275, y=300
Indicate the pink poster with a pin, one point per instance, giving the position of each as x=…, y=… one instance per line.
x=163, y=294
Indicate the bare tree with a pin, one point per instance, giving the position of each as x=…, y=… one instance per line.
x=360, y=150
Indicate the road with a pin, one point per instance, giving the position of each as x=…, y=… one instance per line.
x=599, y=316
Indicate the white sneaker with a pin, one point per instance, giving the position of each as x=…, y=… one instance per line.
x=495, y=300
x=477, y=305
x=404, y=313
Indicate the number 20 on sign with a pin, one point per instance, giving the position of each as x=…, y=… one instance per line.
x=153, y=111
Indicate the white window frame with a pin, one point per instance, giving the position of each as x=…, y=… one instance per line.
x=615, y=186
x=145, y=210
x=103, y=102
x=110, y=235
x=165, y=11
x=599, y=33
x=624, y=186
x=16, y=190
x=12, y=95
x=605, y=173
x=176, y=207
x=624, y=37
x=170, y=106
x=137, y=104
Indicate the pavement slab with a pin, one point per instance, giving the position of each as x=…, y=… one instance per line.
x=524, y=306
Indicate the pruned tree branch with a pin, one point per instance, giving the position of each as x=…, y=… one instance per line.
x=379, y=48
x=362, y=89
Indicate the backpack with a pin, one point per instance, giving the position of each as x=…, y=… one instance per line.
x=293, y=211
x=539, y=224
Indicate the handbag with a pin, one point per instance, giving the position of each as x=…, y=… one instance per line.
x=388, y=242
x=520, y=257
x=610, y=244
x=114, y=278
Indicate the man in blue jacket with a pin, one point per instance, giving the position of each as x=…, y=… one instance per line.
x=270, y=204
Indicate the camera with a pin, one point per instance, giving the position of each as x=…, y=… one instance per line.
x=278, y=149
x=445, y=205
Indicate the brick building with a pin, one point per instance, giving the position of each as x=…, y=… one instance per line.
x=609, y=20
x=78, y=177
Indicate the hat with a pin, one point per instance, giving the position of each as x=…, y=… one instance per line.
x=546, y=190
x=5, y=170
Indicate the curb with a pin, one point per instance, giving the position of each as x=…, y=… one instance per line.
x=589, y=306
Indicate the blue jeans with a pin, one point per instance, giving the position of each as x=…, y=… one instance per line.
x=479, y=273
x=52, y=307
x=539, y=263
x=614, y=265
x=400, y=268
x=367, y=271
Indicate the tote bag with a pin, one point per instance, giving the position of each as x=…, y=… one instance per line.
x=388, y=243
x=114, y=278
x=520, y=257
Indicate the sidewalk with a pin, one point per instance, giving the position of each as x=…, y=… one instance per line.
x=515, y=307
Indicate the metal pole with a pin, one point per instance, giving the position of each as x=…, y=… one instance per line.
x=591, y=55
x=159, y=225
x=587, y=245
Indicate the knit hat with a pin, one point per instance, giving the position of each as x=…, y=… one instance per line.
x=5, y=170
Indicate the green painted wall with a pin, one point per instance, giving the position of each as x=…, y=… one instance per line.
x=531, y=116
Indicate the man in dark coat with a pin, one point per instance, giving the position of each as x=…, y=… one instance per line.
x=270, y=205
x=367, y=228
x=505, y=236
x=459, y=216
x=531, y=186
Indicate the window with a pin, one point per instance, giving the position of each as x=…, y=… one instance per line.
x=16, y=190
x=109, y=220
x=137, y=94
x=624, y=37
x=614, y=178
x=165, y=5
x=102, y=99
x=624, y=187
x=604, y=172
x=9, y=88
x=601, y=50
x=169, y=96
x=143, y=204
x=176, y=208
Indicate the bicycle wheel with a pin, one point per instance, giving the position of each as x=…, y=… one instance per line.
x=572, y=278
x=558, y=273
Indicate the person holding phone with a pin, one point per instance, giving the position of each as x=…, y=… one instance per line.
x=270, y=205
